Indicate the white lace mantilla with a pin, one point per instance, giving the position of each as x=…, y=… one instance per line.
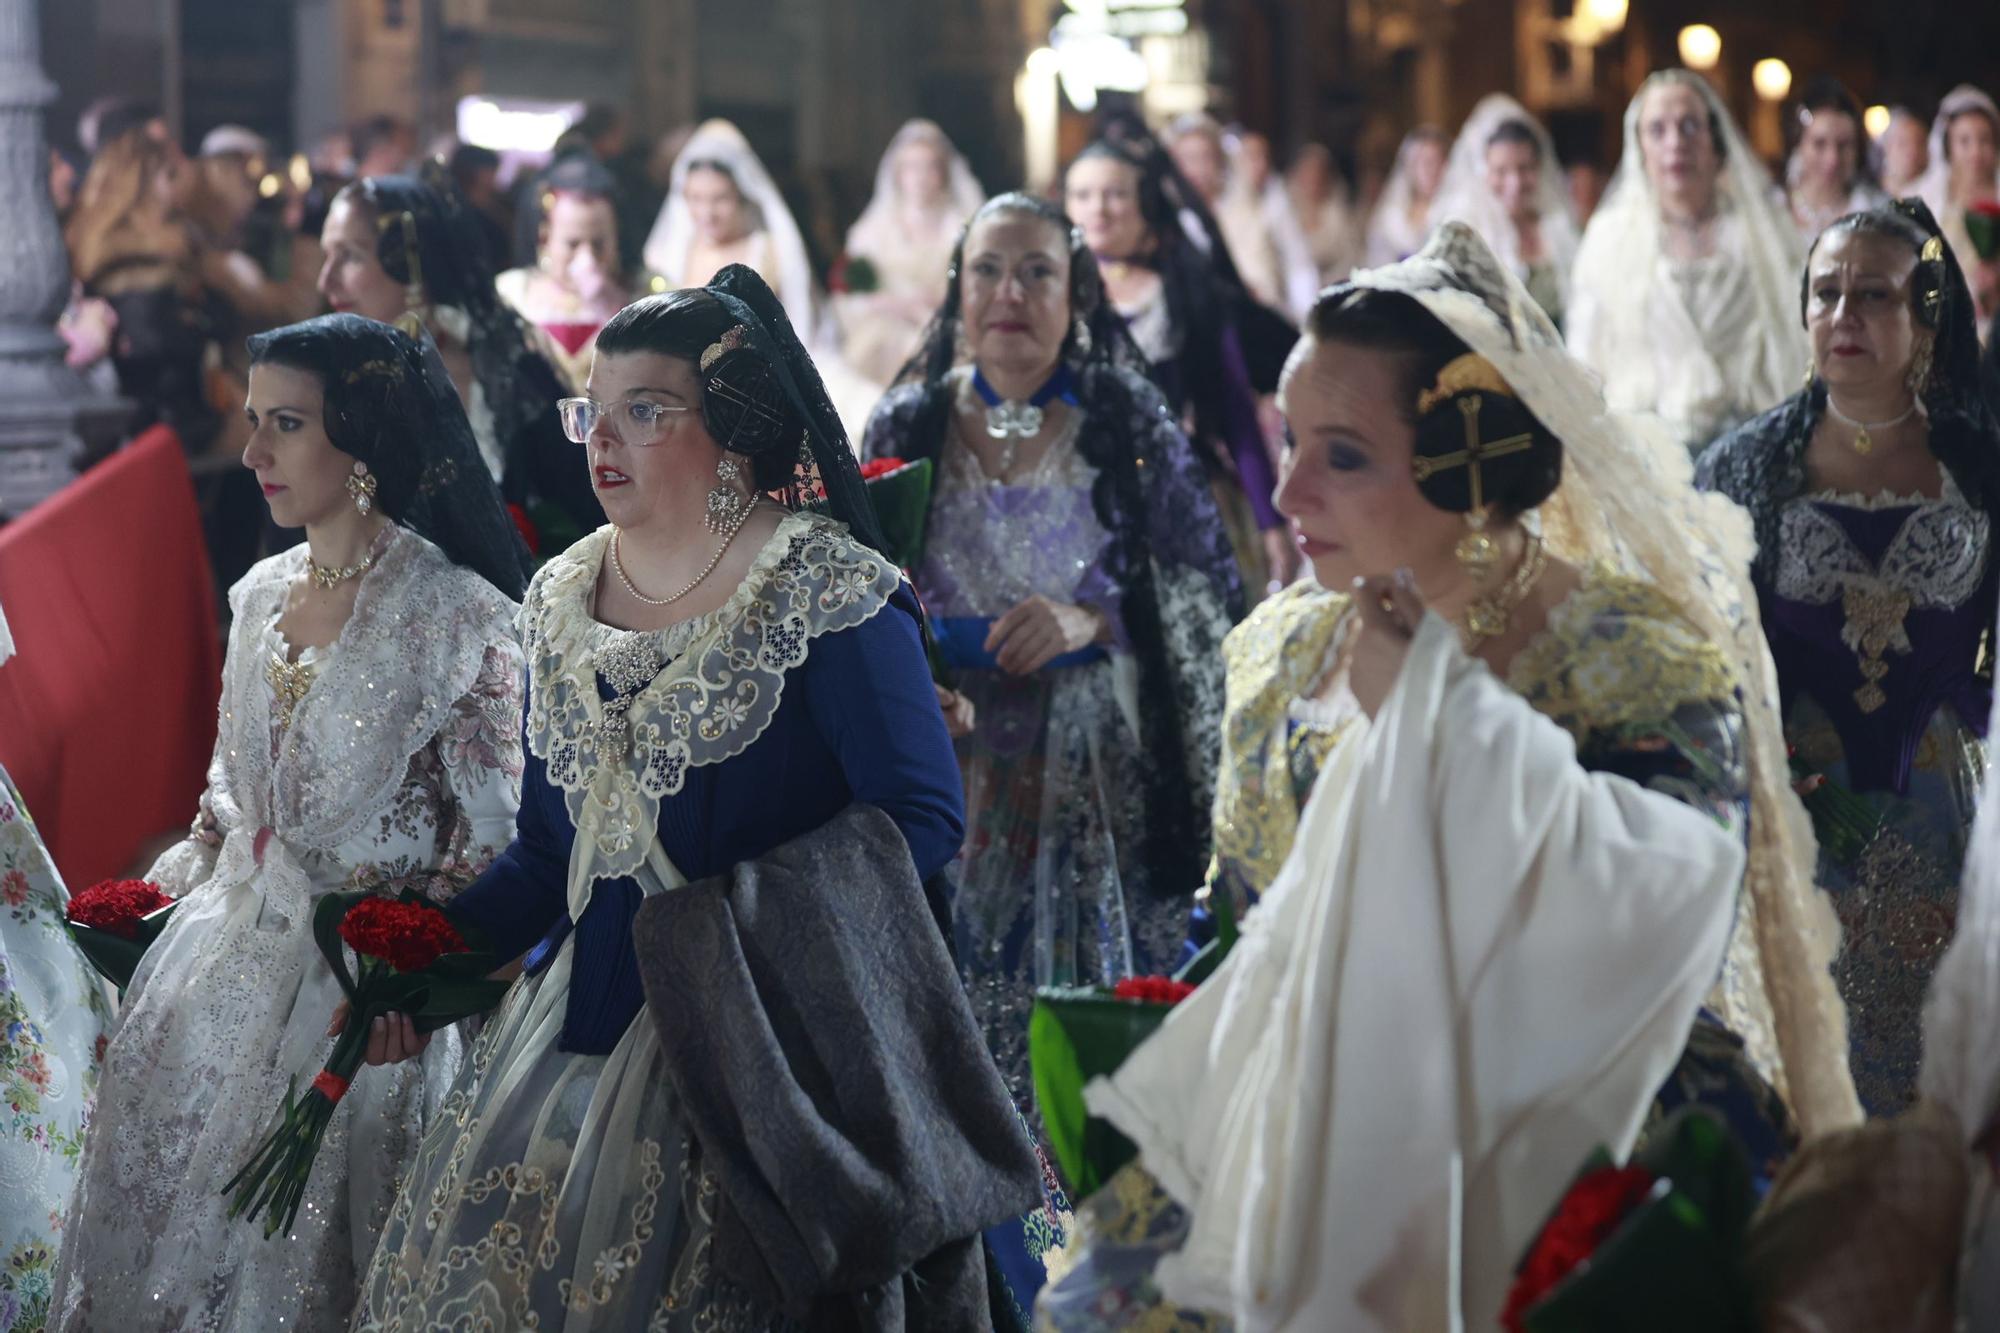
x=721, y=683
x=1937, y=559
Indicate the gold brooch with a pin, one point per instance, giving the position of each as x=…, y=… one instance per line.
x=1933, y=250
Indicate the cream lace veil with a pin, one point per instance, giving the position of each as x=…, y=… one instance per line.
x=673, y=231
x=879, y=229
x=1464, y=196
x=1615, y=263
x=1627, y=498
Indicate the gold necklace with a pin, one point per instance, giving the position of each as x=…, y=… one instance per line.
x=328, y=579
x=728, y=536
x=1490, y=616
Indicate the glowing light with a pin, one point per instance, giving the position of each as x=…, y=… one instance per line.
x=1606, y=15
x=1876, y=121
x=1700, y=46
x=517, y=124
x=301, y=172
x=268, y=187
x=1772, y=78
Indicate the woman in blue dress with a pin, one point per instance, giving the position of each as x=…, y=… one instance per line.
x=718, y=672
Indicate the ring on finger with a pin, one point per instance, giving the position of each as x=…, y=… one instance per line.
x=1387, y=601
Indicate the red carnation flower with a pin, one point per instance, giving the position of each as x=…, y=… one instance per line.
x=115, y=906
x=881, y=467
x=1988, y=208
x=1152, y=990
x=1585, y=1219
x=408, y=936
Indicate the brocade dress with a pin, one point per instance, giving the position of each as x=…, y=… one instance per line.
x=1876, y=622
x=1615, y=667
x=390, y=759
x=561, y=1187
x=55, y=1014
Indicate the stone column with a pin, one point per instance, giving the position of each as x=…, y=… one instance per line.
x=49, y=419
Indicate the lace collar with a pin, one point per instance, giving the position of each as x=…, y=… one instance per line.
x=411, y=648
x=697, y=693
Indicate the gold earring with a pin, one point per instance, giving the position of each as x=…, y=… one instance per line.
x=1476, y=553
x=727, y=504
x=1921, y=367
x=1812, y=371
x=361, y=485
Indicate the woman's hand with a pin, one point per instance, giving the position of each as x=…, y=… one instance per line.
x=1390, y=611
x=959, y=716
x=392, y=1038
x=1039, y=630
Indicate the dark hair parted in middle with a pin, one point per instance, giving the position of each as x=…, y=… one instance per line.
x=1395, y=324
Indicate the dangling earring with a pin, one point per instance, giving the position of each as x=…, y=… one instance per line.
x=1812, y=371
x=961, y=349
x=727, y=504
x=411, y=321
x=1920, y=367
x=1079, y=335
x=361, y=485
x=1476, y=554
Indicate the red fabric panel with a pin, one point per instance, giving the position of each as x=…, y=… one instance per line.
x=107, y=713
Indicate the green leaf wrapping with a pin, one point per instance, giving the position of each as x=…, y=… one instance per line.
x=1675, y=1262
x=115, y=957
x=902, y=501
x=1073, y=1037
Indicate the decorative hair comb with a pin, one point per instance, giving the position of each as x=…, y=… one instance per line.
x=728, y=342
x=1461, y=375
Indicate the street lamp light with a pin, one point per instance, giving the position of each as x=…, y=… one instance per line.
x=1607, y=16
x=1876, y=121
x=1772, y=78
x=1701, y=46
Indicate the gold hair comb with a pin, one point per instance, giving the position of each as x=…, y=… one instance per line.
x=728, y=342
x=1468, y=372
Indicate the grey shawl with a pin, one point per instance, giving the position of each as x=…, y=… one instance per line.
x=830, y=1068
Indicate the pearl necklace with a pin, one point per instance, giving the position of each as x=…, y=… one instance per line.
x=728, y=536
x=1864, y=439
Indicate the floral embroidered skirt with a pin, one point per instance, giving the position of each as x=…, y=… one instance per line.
x=558, y=1191
x=1898, y=898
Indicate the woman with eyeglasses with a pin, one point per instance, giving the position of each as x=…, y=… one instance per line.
x=723, y=682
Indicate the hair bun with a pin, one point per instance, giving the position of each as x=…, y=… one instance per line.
x=1471, y=424
x=744, y=403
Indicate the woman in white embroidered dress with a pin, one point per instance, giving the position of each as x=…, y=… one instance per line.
x=1828, y=174
x=54, y=1014
x=697, y=699
x=369, y=737
x=1402, y=216
x=1685, y=293
x=1964, y=170
x=1505, y=183
x=924, y=194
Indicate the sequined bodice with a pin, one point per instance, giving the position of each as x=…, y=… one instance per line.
x=992, y=545
x=1877, y=613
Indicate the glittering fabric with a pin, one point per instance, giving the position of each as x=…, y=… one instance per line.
x=1054, y=889
x=1876, y=609
x=401, y=768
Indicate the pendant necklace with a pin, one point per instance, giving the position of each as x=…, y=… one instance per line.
x=1864, y=438
x=1012, y=420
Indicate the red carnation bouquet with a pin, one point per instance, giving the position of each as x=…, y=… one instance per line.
x=114, y=922
x=900, y=491
x=1656, y=1246
x=411, y=959
x=1982, y=224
